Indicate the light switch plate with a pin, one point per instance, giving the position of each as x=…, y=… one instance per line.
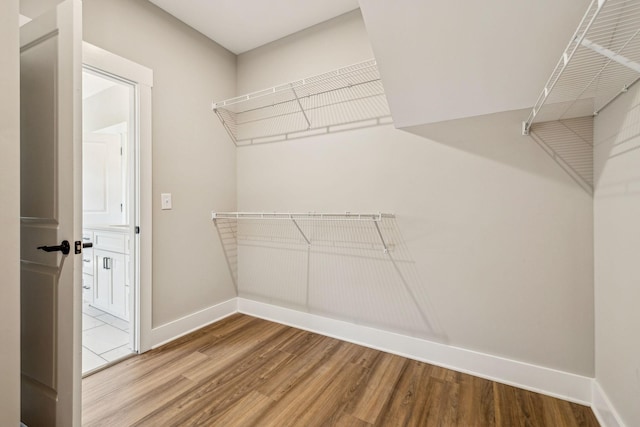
x=166, y=200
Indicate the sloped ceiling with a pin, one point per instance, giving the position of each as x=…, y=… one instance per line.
x=242, y=25
x=237, y=25
x=448, y=60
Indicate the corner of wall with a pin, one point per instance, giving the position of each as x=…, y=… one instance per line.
x=603, y=409
x=175, y=329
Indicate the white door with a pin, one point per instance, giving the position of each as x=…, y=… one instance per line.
x=51, y=211
x=103, y=196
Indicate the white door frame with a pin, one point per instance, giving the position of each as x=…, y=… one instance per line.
x=141, y=78
x=9, y=216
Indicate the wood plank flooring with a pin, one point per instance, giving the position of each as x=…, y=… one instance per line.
x=244, y=371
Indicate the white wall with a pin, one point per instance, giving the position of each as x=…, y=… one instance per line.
x=192, y=157
x=9, y=215
x=617, y=245
x=490, y=252
x=345, y=37
x=106, y=108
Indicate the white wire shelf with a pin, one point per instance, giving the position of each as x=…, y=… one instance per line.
x=374, y=218
x=348, y=97
x=569, y=142
x=601, y=62
x=345, y=216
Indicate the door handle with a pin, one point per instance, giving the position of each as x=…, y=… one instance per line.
x=64, y=247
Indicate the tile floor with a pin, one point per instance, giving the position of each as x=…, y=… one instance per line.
x=105, y=338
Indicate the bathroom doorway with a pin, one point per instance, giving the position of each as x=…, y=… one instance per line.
x=109, y=193
x=117, y=217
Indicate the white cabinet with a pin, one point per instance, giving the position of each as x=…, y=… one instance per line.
x=110, y=290
x=109, y=283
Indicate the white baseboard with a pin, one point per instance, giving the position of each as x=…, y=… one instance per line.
x=563, y=385
x=179, y=327
x=605, y=412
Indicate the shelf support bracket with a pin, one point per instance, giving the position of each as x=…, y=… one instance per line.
x=611, y=55
x=384, y=244
x=306, y=239
x=300, y=105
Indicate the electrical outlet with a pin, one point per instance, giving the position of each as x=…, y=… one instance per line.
x=166, y=200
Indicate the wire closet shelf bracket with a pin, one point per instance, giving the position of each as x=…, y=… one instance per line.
x=375, y=218
x=601, y=62
x=342, y=99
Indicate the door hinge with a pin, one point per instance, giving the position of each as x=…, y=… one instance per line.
x=137, y=229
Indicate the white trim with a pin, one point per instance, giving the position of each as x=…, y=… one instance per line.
x=144, y=244
x=105, y=60
x=563, y=385
x=185, y=325
x=603, y=409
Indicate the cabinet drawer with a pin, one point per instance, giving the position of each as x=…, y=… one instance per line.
x=109, y=241
x=87, y=288
x=87, y=261
x=87, y=236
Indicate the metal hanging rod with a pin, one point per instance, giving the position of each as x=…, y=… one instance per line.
x=314, y=216
x=601, y=61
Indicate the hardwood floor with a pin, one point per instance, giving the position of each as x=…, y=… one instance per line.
x=244, y=371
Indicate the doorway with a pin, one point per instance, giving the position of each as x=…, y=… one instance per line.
x=109, y=194
x=135, y=214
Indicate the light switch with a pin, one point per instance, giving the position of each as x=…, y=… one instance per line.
x=166, y=200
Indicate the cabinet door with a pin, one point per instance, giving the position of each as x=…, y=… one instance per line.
x=102, y=279
x=110, y=292
x=118, y=291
